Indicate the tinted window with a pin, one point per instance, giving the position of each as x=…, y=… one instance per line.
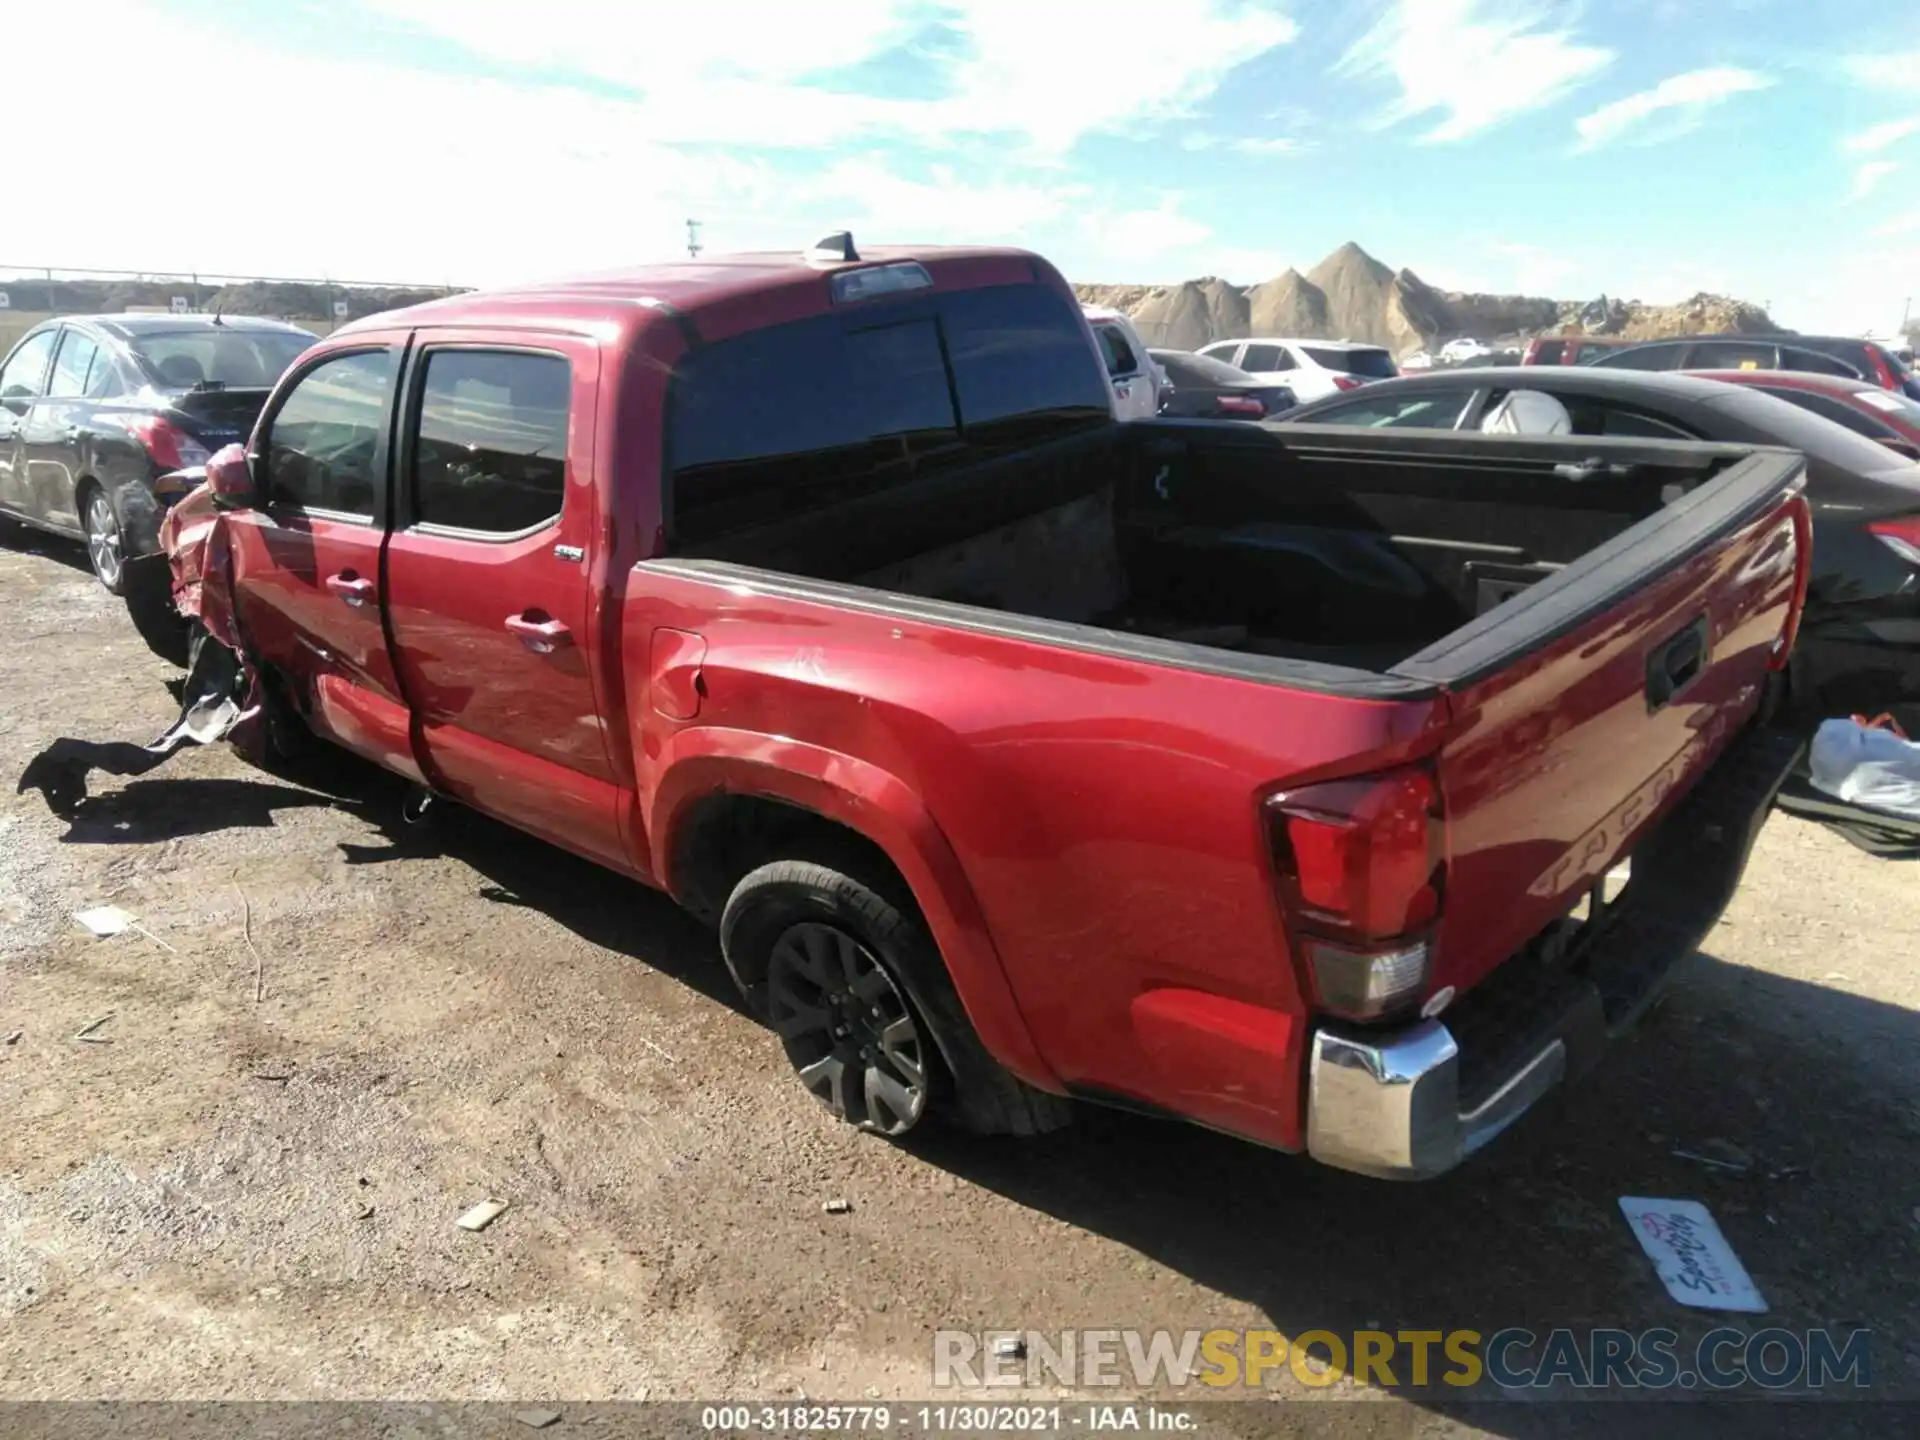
x=1020, y=362
x=72, y=366
x=1642, y=357
x=1828, y=408
x=490, y=452
x=1372, y=364
x=321, y=449
x=1587, y=354
x=1548, y=352
x=1789, y=425
x=1628, y=422
x=237, y=359
x=1794, y=357
x=1198, y=371
x=1420, y=410
x=1115, y=350
x=799, y=417
x=1732, y=355
x=1265, y=357
x=26, y=370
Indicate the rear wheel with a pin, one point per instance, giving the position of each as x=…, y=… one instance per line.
x=105, y=544
x=842, y=968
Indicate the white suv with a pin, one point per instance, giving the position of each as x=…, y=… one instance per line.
x=1136, y=376
x=1312, y=369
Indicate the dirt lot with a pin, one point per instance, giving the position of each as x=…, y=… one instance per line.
x=233, y=1197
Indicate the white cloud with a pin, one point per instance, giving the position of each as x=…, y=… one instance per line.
x=757, y=72
x=1275, y=145
x=1897, y=70
x=1673, y=107
x=1906, y=224
x=1867, y=178
x=1881, y=136
x=1475, y=62
x=873, y=199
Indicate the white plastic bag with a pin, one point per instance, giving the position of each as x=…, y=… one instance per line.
x=1866, y=765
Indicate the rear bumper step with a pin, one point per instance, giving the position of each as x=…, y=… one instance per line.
x=1412, y=1102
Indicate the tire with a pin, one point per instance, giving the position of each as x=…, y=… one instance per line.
x=853, y=984
x=148, y=590
x=100, y=523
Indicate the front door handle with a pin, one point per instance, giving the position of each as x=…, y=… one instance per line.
x=73, y=434
x=351, y=588
x=539, y=632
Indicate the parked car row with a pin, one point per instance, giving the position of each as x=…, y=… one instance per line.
x=1860, y=642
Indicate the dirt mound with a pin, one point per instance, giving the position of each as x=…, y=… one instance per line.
x=1352, y=296
x=1288, y=304
x=1190, y=315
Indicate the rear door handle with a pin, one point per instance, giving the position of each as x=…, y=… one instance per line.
x=351, y=588
x=538, y=632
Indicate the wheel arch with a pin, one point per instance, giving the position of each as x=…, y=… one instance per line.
x=729, y=801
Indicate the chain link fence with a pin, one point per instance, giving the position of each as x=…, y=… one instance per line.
x=32, y=293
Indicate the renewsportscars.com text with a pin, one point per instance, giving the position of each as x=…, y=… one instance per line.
x=1511, y=1359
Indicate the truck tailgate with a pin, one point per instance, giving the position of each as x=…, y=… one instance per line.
x=1585, y=707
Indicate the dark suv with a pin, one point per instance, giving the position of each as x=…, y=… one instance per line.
x=1849, y=357
x=94, y=409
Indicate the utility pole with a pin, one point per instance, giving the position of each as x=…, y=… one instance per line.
x=1906, y=313
x=694, y=247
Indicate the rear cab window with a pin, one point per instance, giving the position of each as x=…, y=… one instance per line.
x=795, y=418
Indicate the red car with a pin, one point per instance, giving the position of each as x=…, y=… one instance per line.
x=1570, y=349
x=1886, y=416
x=1258, y=777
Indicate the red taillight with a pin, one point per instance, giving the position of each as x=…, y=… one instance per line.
x=1883, y=375
x=1239, y=405
x=1901, y=535
x=170, y=447
x=1347, y=382
x=1360, y=865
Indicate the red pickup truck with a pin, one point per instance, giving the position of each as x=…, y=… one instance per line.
x=1267, y=777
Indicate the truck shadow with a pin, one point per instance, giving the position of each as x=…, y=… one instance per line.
x=1802, y=1091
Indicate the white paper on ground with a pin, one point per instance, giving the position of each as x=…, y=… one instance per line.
x=1691, y=1256
x=105, y=920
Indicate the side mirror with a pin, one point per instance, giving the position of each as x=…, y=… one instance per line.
x=230, y=478
x=18, y=399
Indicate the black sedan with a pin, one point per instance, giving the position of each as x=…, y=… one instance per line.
x=1201, y=387
x=94, y=409
x=1860, y=641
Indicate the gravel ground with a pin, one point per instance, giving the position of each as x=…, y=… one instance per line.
x=254, y=1199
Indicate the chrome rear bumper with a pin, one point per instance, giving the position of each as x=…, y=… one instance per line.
x=1411, y=1102
x=1389, y=1105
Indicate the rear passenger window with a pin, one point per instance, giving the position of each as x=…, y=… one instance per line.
x=489, y=449
x=800, y=417
x=324, y=438
x=1828, y=408
x=1265, y=357
x=72, y=366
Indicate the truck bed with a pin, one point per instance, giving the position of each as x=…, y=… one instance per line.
x=1391, y=555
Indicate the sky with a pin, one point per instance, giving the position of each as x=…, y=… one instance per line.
x=1647, y=149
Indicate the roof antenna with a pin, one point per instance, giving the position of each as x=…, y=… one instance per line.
x=834, y=249
x=216, y=316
